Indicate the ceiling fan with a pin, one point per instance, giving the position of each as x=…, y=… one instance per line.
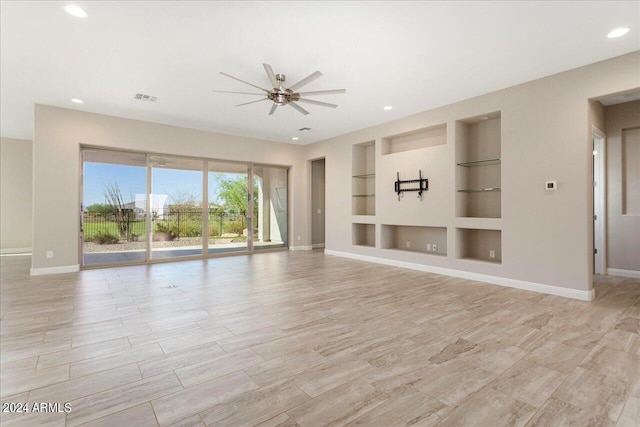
x=282, y=95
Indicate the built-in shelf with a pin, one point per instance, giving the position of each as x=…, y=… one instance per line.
x=364, y=234
x=480, y=245
x=478, y=177
x=415, y=140
x=478, y=190
x=363, y=183
x=415, y=239
x=489, y=162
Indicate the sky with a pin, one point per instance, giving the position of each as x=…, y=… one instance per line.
x=132, y=180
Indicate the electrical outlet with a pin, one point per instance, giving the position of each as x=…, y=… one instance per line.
x=435, y=247
x=428, y=246
x=492, y=253
x=408, y=244
x=298, y=238
x=49, y=254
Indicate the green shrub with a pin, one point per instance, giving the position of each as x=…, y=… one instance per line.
x=166, y=229
x=235, y=227
x=105, y=237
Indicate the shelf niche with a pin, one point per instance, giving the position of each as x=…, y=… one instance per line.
x=363, y=181
x=415, y=140
x=364, y=235
x=478, y=171
x=477, y=244
x=420, y=239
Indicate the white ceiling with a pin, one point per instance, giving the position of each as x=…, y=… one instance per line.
x=412, y=55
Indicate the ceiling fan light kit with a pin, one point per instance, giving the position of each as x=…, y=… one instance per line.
x=281, y=95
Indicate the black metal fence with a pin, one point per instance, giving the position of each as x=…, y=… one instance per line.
x=132, y=226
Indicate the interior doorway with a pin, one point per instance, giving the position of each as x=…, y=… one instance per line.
x=599, y=203
x=318, y=203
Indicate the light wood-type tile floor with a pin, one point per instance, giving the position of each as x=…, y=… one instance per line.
x=303, y=338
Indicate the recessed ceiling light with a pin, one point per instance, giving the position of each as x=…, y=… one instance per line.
x=484, y=118
x=295, y=138
x=76, y=11
x=77, y=101
x=618, y=32
x=388, y=107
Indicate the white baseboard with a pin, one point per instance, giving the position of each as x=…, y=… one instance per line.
x=502, y=281
x=635, y=274
x=317, y=245
x=15, y=251
x=301, y=248
x=55, y=270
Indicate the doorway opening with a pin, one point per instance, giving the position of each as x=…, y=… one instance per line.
x=318, y=203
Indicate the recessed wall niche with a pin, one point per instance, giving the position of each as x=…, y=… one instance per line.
x=414, y=140
x=478, y=171
x=364, y=235
x=363, y=185
x=427, y=240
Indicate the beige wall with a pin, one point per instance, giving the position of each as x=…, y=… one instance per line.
x=546, y=131
x=15, y=195
x=623, y=182
x=58, y=135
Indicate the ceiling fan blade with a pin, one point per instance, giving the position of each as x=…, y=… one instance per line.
x=323, y=104
x=247, y=83
x=273, y=108
x=252, y=102
x=272, y=76
x=323, y=92
x=299, y=108
x=242, y=93
x=306, y=81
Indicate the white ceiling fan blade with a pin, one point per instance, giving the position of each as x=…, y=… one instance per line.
x=305, y=81
x=323, y=92
x=252, y=102
x=247, y=83
x=273, y=108
x=241, y=93
x=299, y=108
x=323, y=104
x=272, y=76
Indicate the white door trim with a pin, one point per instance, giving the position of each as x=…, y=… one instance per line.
x=599, y=201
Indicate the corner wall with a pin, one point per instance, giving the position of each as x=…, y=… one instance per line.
x=545, y=136
x=58, y=135
x=15, y=195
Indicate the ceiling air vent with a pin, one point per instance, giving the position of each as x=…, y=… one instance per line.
x=304, y=129
x=143, y=97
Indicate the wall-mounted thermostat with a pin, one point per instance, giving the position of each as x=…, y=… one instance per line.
x=551, y=185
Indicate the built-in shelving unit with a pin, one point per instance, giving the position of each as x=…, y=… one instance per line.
x=414, y=140
x=427, y=240
x=363, y=186
x=480, y=245
x=478, y=175
x=364, y=234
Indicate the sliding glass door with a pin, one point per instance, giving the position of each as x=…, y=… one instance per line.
x=229, y=217
x=141, y=207
x=270, y=207
x=113, y=218
x=176, y=207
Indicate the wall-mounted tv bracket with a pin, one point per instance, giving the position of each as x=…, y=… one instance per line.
x=423, y=185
